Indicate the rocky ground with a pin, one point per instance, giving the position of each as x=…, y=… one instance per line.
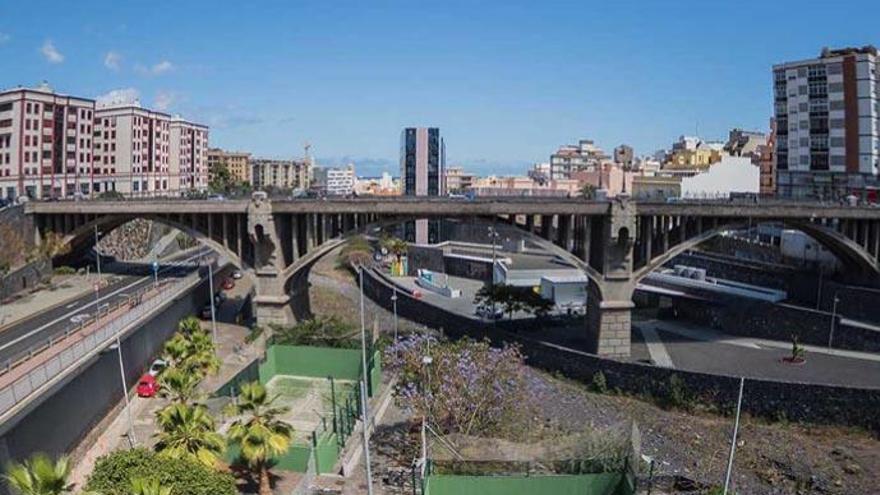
x=771, y=458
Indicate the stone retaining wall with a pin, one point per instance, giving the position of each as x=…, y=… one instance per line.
x=766, y=398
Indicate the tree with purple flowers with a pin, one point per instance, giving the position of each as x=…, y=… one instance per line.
x=463, y=386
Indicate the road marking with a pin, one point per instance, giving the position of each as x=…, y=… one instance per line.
x=68, y=315
x=655, y=347
x=75, y=303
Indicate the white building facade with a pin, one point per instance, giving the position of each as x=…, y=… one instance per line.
x=335, y=181
x=188, y=153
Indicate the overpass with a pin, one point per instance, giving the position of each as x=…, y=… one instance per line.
x=616, y=243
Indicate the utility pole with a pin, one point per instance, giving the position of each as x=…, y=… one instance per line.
x=833, y=320
x=364, y=376
x=493, y=235
x=211, y=289
x=97, y=254
x=739, y=401
x=132, y=441
x=394, y=305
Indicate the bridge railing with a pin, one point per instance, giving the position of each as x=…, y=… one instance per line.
x=35, y=367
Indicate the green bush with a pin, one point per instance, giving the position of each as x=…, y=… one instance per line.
x=599, y=384
x=677, y=394
x=321, y=331
x=113, y=474
x=64, y=270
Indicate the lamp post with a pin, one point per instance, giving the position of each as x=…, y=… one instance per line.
x=394, y=305
x=211, y=290
x=833, y=320
x=97, y=254
x=493, y=236
x=364, y=375
x=132, y=441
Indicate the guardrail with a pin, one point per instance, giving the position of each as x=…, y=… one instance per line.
x=21, y=377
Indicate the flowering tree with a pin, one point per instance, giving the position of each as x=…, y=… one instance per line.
x=463, y=386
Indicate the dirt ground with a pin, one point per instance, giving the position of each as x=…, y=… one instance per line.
x=771, y=458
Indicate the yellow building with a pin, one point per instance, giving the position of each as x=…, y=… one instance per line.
x=237, y=163
x=700, y=158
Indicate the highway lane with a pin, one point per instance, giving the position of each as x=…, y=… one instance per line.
x=17, y=339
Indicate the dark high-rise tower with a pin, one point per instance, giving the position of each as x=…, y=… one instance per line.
x=422, y=172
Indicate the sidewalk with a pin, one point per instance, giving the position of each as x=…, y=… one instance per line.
x=61, y=289
x=234, y=355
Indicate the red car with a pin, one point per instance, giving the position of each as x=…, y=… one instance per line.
x=228, y=284
x=147, y=386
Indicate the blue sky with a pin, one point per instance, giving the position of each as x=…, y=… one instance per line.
x=507, y=82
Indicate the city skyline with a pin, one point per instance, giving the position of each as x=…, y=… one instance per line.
x=506, y=85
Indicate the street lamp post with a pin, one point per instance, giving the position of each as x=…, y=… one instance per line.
x=131, y=438
x=833, y=320
x=394, y=305
x=97, y=254
x=364, y=375
x=493, y=236
x=211, y=289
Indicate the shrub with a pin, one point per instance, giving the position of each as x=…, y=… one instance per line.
x=113, y=474
x=322, y=331
x=599, y=384
x=677, y=394
x=64, y=270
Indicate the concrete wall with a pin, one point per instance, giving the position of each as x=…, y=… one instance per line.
x=24, y=277
x=63, y=419
x=24, y=224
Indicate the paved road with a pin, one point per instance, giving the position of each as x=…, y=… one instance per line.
x=17, y=339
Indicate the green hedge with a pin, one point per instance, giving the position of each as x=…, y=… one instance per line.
x=589, y=484
x=113, y=472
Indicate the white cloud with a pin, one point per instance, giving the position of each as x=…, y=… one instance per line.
x=53, y=56
x=164, y=100
x=118, y=97
x=154, y=70
x=4, y=38
x=112, y=60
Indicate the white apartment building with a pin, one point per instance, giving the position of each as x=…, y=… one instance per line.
x=189, y=156
x=828, y=124
x=132, y=151
x=45, y=143
x=585, y=156
x=335, y=181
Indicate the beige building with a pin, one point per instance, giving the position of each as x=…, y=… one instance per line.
x=281, y=174
x=524, y=186
x=132, y=148
x=656, y=187
x=457, y=180
x=45, y=143
x=236, y=162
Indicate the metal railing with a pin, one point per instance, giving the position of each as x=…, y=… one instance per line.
x=95, y=332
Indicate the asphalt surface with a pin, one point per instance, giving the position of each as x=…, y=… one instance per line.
x=17, y=339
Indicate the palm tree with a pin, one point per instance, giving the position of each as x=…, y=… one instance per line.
x=176, y=349
x=188, y=432
x=189, y=325
x=140, y=486
x=260, y=434
x=178, y=384
x=39, y=475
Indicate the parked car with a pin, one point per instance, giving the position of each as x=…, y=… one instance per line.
x=205, y=314
x=147, y=386
x=485, y=311
x=157, y=366
x=228, y=284
x=236, y=274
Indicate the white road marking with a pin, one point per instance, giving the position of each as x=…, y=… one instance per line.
x=655, y=347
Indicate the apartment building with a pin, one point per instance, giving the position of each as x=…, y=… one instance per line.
x=584, y=156
x=189, y=155
x=45, y=143
x=741, y=142
x=132, y=151
x=827, y=113
x=281, y=174
x=334, y=181
x=458, y=181
x=237, y=164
